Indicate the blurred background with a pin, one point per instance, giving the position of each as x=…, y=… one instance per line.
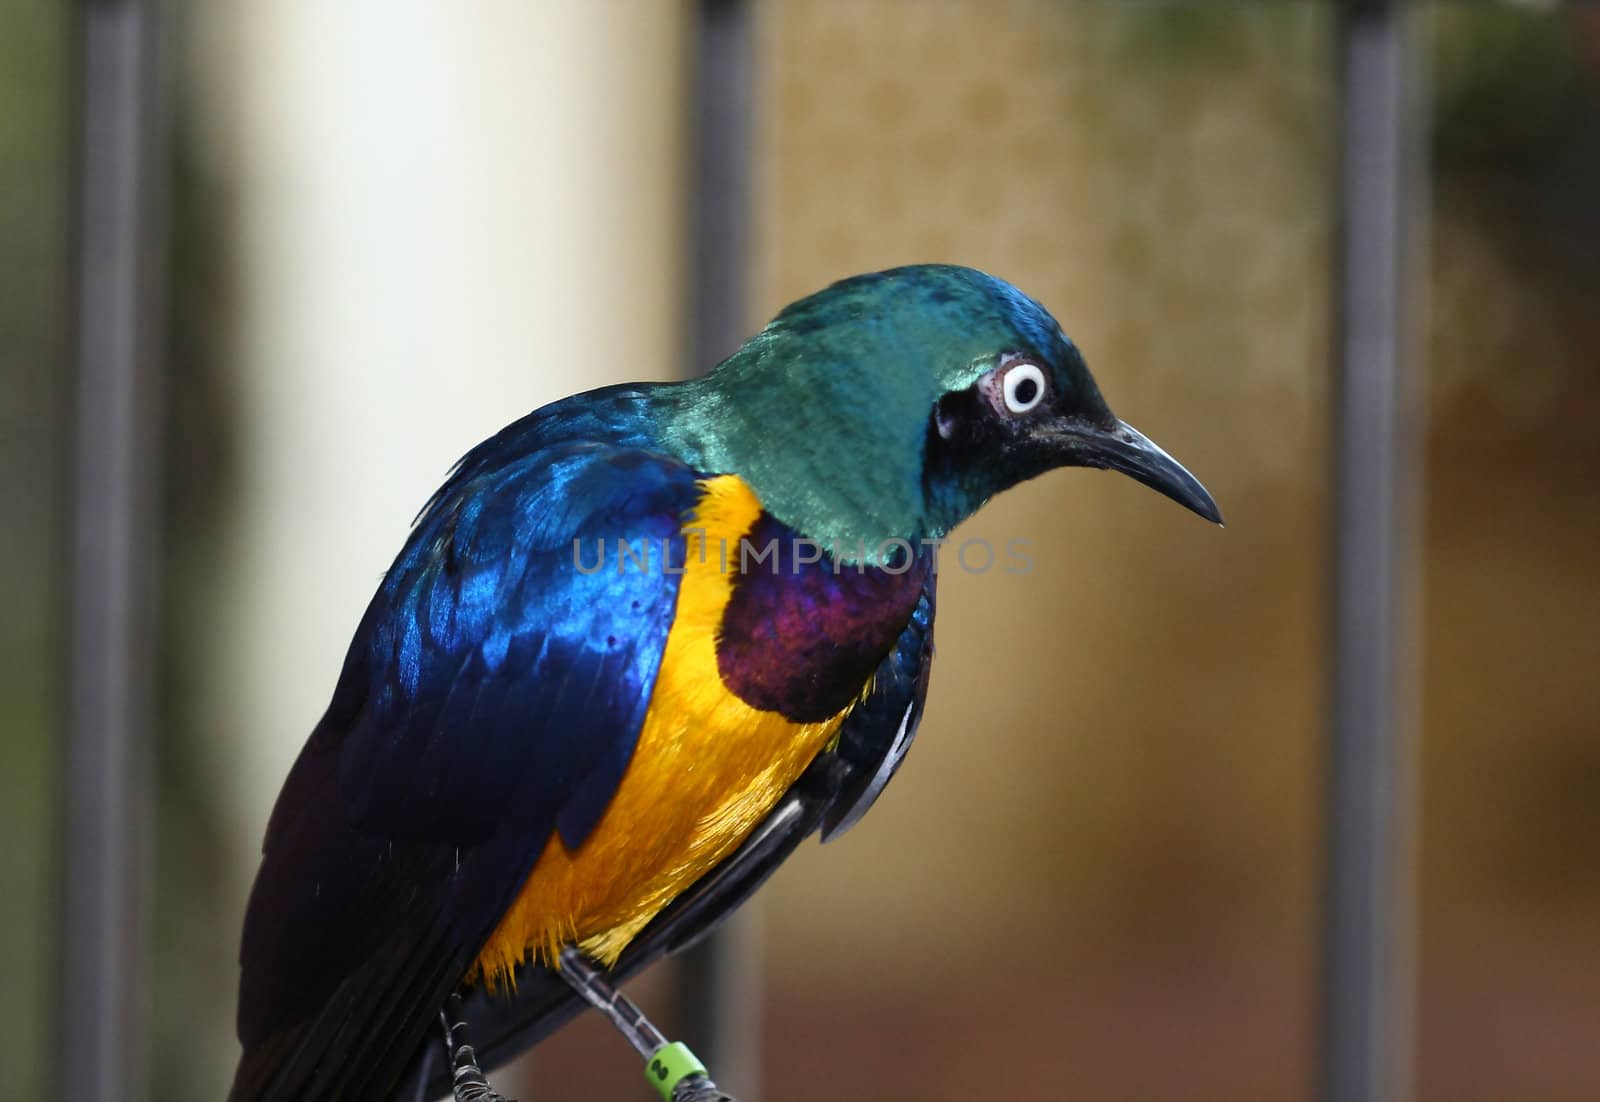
x=386, y=229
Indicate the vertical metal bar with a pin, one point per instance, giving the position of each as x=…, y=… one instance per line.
x=1371, y=809
x=111, y=650
x=719, y=194
x=719, y=981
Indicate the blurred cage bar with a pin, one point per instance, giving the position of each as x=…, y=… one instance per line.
x=1372, y=821
x=719, y=980
x=112, y=656
x=1370, y=814
x=1368, y=936
x=118, y=303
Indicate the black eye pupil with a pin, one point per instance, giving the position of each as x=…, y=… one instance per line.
x=1026, y=391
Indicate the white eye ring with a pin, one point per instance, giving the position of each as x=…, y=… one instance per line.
x=1015, y=378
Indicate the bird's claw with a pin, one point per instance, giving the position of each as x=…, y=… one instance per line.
x=467, y=1081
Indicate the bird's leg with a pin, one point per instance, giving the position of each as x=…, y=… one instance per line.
x=671, y=1068
x=466, y=1078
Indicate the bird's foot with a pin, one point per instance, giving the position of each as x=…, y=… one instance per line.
x=669, y=1066
x=466, y=1078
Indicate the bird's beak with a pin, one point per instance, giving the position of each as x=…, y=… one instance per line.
x=1121, y=447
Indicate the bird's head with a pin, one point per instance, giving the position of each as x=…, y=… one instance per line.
x=893, y=405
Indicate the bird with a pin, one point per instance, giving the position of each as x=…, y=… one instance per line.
x=638, y=645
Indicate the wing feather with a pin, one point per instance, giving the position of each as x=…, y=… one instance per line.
x=489, y=680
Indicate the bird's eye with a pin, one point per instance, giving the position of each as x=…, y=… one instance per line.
x=1023, y=387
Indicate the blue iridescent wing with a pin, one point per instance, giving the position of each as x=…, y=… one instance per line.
x=492, y=695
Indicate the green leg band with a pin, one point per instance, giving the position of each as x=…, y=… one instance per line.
x=670, y=1065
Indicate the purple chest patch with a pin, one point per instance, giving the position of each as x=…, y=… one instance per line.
x=802, y=638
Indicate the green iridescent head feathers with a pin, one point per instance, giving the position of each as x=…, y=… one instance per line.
x=885, y=406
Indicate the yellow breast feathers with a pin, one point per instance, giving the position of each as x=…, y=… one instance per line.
x=706, y=769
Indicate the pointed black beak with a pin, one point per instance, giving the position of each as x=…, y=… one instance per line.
x=1124, y=448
